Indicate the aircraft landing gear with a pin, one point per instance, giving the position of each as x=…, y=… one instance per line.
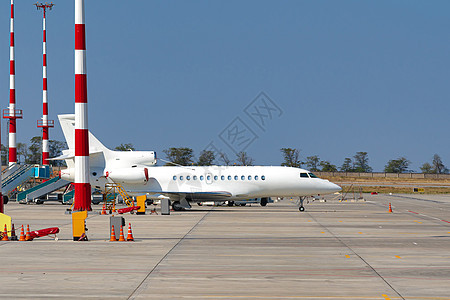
x=176, y=206
x=301, y=207
x=264, y=201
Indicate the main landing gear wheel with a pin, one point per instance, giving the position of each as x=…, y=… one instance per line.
x=176, y=206
x=264, y=201
x=301, y=208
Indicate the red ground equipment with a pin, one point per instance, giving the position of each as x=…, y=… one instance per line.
x=44, y=232
x=127, y=209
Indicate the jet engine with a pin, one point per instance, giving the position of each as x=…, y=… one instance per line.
x=67, y=174
x=147, y=158
x=128, y=175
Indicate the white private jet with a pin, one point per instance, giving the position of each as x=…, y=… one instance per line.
x=137, y=173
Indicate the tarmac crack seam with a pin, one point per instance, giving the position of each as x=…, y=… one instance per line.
x=139, y=288
x=362, y=259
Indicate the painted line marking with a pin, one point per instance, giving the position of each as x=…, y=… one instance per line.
x=347, y=256
x=397, y=256
x=322, y=232
x=360, y=232
x=386, y=297
x=434, y=218
x=417, y=221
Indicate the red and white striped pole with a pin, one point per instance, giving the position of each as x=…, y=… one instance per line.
x=45, y=123
x=82, y=199
x=11, y=113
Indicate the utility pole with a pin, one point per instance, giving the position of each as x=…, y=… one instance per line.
x=82, y=200
x=11, y=112
x=44, y=123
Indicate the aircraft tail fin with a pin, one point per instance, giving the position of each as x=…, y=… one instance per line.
x=68, y=127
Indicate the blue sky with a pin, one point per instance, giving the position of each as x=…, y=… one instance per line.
x=347, y=76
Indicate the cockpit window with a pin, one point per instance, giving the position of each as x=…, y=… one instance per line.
x=304, y=175
x=312, y=175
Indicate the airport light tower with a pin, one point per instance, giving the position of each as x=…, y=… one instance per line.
x=11, y=112
x=82, y=201
x=44, y=123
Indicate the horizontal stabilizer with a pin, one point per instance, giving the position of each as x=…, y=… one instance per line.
x=72, y=155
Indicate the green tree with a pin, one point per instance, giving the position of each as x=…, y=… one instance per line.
x=312, y=163
x=22, y=152
x=55, y=149
x=291, y=157
x=35, y=150
x=125, y=147
x=327, y=166
x=399, y=165
x=427, y=168
x=347, y=166
x=179, y=156
x=206, y=158
x=4, y=154
x=361, y=163
x=224, y=157
x=438, y=165
x=243, y=159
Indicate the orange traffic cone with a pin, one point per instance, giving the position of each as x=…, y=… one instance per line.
x=28, y=236
x=390, y=208
x=22, y=235
x=121, y=237
x=113, y=235
x=13, y=233
x=130, y=234
x=104, y=210
x=5, y=234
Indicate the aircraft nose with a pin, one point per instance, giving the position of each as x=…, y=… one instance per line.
x=330, y=187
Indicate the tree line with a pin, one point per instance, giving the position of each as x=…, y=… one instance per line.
x=291, y=158
x=359, y=163
x=184, y=156
x=32, y=153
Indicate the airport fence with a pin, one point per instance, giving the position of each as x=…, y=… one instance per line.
x=383, y=175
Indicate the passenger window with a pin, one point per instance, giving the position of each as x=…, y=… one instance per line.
x=188, y=177
x=263, y=177
x=312, y=175
x=256, y=177
x=201, y=177
x=181, y=177
x=174, y=177
x=303, y=175
x=208, y=177
x=229, y=177
x=222, y=177
x=215, y=177
x=195, y=177
x=249, y=177
x=235, y=177
x=242, y=177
